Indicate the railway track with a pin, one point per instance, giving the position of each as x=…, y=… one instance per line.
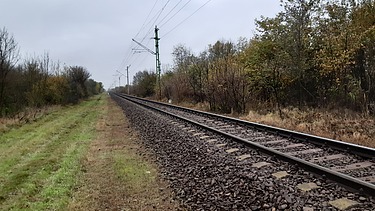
x=351, y=165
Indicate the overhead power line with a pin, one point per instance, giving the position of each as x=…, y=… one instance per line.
x=160, y=23
x=156, y=53
x=131, y=46
x=163, y=16
x=186, y=18
x=157, y=18
x=144, y=23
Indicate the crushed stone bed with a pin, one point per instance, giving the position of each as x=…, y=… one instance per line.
x=204, y=176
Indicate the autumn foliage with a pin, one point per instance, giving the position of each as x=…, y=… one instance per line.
x=314, y=53
x=38, y=82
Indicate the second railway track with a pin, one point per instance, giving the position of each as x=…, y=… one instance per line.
x=348, y=164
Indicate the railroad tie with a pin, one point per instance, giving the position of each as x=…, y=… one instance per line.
x=220, y=145
x=307, y=186
x=243, y=157
x=327, y=158
x=343, y=203
x=211, y=140
x=258, y=138
x=232, y=150
x=353, y=166
x=280, y=174
x=275, y=142
x=289, y=146
x=260, y=164
x=369, y=179
x=308, y=151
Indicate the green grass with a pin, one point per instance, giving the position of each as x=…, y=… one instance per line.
x=136, y=174
x=40, y=161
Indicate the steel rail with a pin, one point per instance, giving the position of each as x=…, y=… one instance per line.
x=345, y=180
x=335, y=144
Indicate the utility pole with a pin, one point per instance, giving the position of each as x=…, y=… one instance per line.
x=158, y=71
x=127, y=77
x=119, y=77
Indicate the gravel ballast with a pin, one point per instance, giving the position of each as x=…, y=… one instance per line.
x=208, y=175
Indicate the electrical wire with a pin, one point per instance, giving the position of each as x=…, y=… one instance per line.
x=137, y=60
x=186, y=18
x=175, y=13
x=130, y=49
x=150, y=30
x=169, y=12
x=143, y=25
x=150, y=27
x=155, y=18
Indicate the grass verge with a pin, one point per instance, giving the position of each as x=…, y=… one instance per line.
x=118, y=172
x=40, y=161
x=138, y=175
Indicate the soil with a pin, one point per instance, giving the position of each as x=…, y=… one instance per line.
x=101, y=187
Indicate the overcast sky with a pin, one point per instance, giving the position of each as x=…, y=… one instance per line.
x=97, y=34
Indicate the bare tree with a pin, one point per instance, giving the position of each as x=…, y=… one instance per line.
x=9, y=55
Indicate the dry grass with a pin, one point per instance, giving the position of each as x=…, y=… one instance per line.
x=342, y=125
x=26, y=116
x=196, y=106
x=118, y=174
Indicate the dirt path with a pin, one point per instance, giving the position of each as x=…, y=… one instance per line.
x=117, y=173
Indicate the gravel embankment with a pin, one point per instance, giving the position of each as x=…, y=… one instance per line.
x=207, y=177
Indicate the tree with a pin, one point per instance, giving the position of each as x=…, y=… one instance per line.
x=183, y=79
x=313, y=53
x=34, y=81
x=226, y=78
x=299, y=19
x=144, y=83
x=77, y=77
x=199, y=76
x=93, y=87
x=269, y=61
x=266, y=70
x=9, y=55
x=363, y=20
x=57, y=90
x=167, y=85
